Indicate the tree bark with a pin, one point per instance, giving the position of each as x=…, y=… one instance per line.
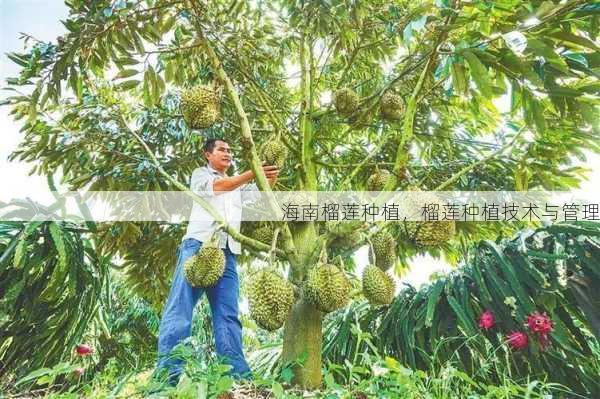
x=302, y=343
x=302, y=335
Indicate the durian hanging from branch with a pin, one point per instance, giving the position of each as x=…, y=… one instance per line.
x=378, y=180
x=378, y=286
x=345, y=101
x=344, y=234
x=427, y=233
x=392, y=106
x=327, y=287
x=264, y=233
x=201, y=106
x=270, y=299
x=206, y=267
x=274, y=152
x=430, y=233
x=383, y=249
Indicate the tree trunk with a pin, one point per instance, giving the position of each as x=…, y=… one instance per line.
x=302, y=335
x=302, y=341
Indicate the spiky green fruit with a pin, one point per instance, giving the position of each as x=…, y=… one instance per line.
x=430, y=233
x=391, y=106
x=378, y=287
x=327, y=287
x=427, y=233
x=264, y=233
x=200, y=106
x=345, y=233
x=378, y=180
x=384, y=249
x=345, y=101
x=206, y=267
x=274, y=152
x=342, y=227
x=270, y=299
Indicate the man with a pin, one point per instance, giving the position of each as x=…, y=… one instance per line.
x=214, y=185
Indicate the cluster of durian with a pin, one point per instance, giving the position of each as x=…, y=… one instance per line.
x=346, y=102
x=270, y=299
x=274, y=152
x=377, y=285
x=200, y=106
x=327, y=287
x=206, y=267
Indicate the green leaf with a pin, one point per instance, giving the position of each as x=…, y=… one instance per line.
x=59, y=244
x=34, y=375
x=538, y=115
x=19, y=59
x=20, y=253
x=126, y=61
x=287, y=375
x=572, y=38
x=433, y=299
x=459, y=79
x=168, y=24
x=467, y=324
x=277, y=389
x=224, y=384
x=479, y=73
x=542, y=49
x=128, y=85
x=126, y=73
x=146, y=89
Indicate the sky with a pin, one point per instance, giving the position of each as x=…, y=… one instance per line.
x=41, y=19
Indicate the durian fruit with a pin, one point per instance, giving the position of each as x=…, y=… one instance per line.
x=206, y=267
x=384, y=249
x=430, y=233
x=378, y=286
x=342, y=227
x=378, y=180
x=274, y=152
x=391, y=106
x=345, y=101
x=270, y=299
x=264, y=233
x=346, y=233
x=327, y=287
x=200, y=106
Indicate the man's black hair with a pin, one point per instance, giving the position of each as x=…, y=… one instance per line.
x=210, y=144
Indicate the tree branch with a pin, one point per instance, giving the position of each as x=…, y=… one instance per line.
x=306, y=129
x=468, y=168
x=247, y=140
x=236, y=235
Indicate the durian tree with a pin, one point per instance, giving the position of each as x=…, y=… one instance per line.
x=360, y=95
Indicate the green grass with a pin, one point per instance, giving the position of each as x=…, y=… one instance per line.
x=368, y=375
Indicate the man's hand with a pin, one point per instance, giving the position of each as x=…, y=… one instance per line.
x=271, y=172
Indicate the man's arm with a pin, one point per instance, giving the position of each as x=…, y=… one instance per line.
x=231, y=183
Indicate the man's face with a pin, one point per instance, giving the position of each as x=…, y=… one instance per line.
x=220, y=158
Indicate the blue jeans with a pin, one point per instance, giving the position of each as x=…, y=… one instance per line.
x=176, y=322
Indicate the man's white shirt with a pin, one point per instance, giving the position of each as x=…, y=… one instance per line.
x=228, y=204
